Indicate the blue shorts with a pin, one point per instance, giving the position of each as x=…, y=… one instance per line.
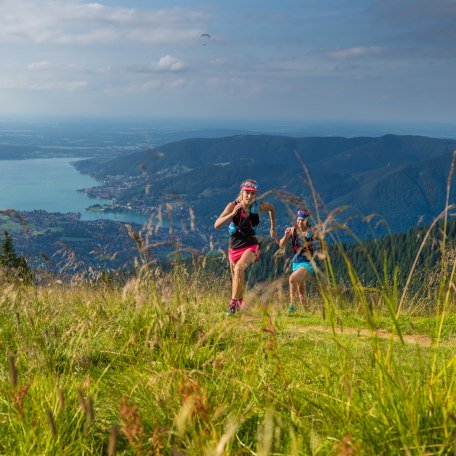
x=303, y=264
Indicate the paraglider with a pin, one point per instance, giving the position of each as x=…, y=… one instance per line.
x=205, y=35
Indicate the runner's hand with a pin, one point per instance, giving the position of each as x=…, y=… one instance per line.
x=236, y=209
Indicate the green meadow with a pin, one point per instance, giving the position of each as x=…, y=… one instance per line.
x=157, y=367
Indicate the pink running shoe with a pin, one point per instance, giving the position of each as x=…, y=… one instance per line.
x=232, y=308
x=240, y=304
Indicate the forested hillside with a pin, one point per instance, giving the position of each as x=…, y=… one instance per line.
x=373, y=260
x=402, y=178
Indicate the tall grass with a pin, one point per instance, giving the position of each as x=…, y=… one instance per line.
x=158, y=368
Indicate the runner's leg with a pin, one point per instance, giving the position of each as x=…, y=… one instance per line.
x=297, y=285
x=232, y=265
x=302, y=291
x=247, y=258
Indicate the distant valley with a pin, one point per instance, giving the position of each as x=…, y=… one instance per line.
x=186, y=183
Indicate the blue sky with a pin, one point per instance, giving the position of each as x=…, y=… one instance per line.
x=321, y=60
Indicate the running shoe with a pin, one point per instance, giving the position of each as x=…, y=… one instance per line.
x=240, y=304
x=232, y=308
x=292, y=308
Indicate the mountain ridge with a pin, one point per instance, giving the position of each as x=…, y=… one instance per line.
x=401, y=177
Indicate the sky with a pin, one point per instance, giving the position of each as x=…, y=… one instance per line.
x=299, y=60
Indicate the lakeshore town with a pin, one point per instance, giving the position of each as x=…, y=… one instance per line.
x=48, y=240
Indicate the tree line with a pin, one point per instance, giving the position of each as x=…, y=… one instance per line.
x=13, y=266
x=372, y=261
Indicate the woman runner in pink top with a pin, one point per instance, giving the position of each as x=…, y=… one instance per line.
x=244, y=248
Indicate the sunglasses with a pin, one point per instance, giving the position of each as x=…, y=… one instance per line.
x=248, y=185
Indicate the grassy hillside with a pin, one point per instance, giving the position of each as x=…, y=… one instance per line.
x=157, y=367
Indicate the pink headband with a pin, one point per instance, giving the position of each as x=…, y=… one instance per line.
x=249, y=186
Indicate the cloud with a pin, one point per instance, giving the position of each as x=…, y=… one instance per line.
x=55, y=86
x=236, y=86
x=418, y=28
x=42, y=86
x=46, y=65
x=73, y=86
x=400, y=12
x=38, y=66
x=75, y=22
x=177, y=83
x=165, y=64
x=42, y=76
x=146, y=86
x=355, y=52
x=169, y=63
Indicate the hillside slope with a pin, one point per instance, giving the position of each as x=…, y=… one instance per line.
x=401, y=177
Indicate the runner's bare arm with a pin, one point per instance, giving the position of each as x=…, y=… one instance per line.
x=265, y=206
x=229, y=212
x=286, y=237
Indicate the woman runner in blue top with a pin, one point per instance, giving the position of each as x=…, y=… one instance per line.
x=304, y=262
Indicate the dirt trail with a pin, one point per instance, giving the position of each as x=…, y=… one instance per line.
x=421, y=340
x=417, y=339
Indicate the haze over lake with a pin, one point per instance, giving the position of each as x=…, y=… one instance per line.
x=50, y=184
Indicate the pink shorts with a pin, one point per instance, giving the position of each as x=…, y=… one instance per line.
x=235, y=254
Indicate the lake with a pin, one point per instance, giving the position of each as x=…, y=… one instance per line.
x=51, y=184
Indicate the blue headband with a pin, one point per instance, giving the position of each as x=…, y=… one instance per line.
x=302, y=214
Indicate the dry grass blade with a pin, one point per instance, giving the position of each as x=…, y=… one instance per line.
x=82, y=401
x=12, y=371
x=417, y=256
x=90, y=410
x=13, y=214
x=112, y=445
x=317, y=200
x=131, y=423
x=192, y=218
x=61, y=398
x=447, y=200
x=231, y=429
x=135, y=236
x=288, y=199
x=51, y=422
x=45, y=257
